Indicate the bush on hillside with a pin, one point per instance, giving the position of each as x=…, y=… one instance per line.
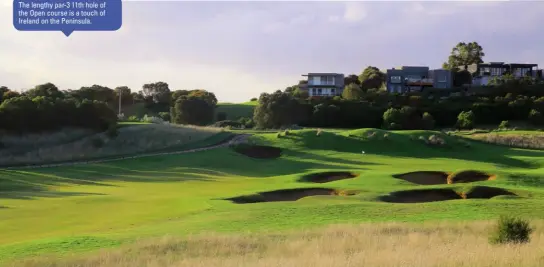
x=165, y=116
x=427, y=121
x=536, y=117
x=504, y=125
x=511, y=230
x=465, y=120
x=152, y=119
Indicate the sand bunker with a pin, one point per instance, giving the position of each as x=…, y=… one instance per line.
x=469, y=177
x=432, y=195
x=258, y=152
x=325, y=177
x=289, y=195
x=424, y=177
x=487, y=192
x=436, y=177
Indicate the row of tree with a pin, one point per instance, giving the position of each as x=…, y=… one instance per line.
x=46, y=108
x=418, y=110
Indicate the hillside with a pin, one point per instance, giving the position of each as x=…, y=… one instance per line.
x=236, y=111
x=79, y=144
x=276, y=182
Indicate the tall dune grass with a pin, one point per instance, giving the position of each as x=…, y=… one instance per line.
x=79, y=145
x=380, y=245
x=535, y=141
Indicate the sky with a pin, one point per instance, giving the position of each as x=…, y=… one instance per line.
x=238, y=50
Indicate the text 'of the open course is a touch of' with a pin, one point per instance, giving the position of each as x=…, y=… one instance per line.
x=67, y=16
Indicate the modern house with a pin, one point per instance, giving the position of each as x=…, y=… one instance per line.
x=416, y=78
x=324, y=84
x=482, y=73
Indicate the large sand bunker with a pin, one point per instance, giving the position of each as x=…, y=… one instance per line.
x=325, y=177
x=432, y=195
x=469, y=177
x=424, y=177
x=289, y=195
x=258, y=152
x=437, y=177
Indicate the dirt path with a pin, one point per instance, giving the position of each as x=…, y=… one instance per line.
x=230, y=141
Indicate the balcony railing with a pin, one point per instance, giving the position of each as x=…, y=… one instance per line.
x=414, y=81
x=310, y=82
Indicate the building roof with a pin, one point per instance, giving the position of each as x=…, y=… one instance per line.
x=321, y=73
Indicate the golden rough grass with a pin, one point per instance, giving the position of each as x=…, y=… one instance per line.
x=380, y=245
x=131, y=140
x=522, y=141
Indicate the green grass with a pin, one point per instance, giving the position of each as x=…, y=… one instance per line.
x=236, y=111
x=82, y=208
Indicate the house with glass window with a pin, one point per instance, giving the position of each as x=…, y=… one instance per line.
x=324, y=84
x=417, y=78
x=483, y=73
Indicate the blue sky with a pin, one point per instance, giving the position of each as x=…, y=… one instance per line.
x=239, y=49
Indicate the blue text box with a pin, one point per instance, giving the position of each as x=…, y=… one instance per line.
x=67, y=16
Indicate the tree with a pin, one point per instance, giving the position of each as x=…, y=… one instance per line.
x=464, y=54
x=276, y=110
x=352, y=78
x=427, y=121
x=301, y=94
x=465, y=120
x=192, y=110
x=352, y=92
x=205, y=95
x=158, y=92
x=392, y=119
x=46, y=90
x=125, y=93
x=175, y=95
x=96, y=92
x=371, y=78
x=462, y=77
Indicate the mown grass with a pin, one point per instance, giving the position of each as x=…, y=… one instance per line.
x=82, y=208
x=236, y=111
x=73, y=145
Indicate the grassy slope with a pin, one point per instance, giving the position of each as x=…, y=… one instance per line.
x=86, y=207
x=235, y=111
x=132, y=139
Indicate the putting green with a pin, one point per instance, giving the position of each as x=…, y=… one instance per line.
x=81, y=208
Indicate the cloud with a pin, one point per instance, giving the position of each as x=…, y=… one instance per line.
x=354, y=12
x=240, y=49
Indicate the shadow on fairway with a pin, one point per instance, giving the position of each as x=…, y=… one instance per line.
x=401, y=146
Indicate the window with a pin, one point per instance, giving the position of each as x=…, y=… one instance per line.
x=314, y=91
x=319, y=91
x=396, y=79
x=496, y=71
x=442, y=79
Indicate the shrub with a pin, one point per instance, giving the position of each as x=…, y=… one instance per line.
x=511, y=230
x=133, y=119
x=536, y=117
x=151, y=119
x=165, y=116
x=504, y=125
x=427, y=121
x=253, y=99
x=278, y=135
x=435, y=140
x=465, y=120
